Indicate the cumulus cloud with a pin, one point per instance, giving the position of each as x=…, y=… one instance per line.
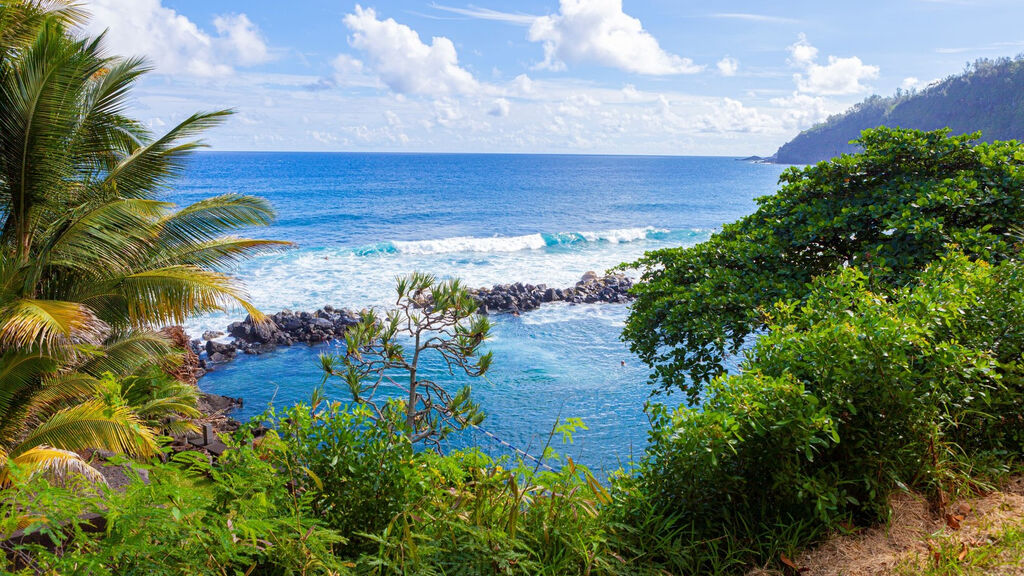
x=404, y=62
x=523, y=84
x=728, y=66
x=840, y=76
x=242, y=38
x=172, y=42
x=802, y=53
x=501, y=108
x=599, y=31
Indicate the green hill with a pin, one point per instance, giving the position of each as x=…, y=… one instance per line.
x=987, y=97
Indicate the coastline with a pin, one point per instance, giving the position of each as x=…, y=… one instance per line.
x=327, y=324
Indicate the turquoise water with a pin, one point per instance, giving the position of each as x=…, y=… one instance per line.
x=358, y=220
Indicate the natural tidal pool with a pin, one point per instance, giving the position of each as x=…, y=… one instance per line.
x=359, y=220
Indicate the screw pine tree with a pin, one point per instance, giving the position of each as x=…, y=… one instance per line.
x=429, y=318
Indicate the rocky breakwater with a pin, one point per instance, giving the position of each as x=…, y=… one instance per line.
x=519, y=297
x=287, y=328
x=282, y=329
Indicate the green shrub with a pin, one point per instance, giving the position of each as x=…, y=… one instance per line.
x=476, y=516
x=357, y=473
x=851, y=393
x=242, y=516
x=889, y=211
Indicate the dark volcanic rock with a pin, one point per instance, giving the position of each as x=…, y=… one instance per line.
x=518, y=297
x=287, y=328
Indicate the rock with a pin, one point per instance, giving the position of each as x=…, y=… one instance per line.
x=215, y=403
x=222, y=348
x=212, y=335
x=589, y=276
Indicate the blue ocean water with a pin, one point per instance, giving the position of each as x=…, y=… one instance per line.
x=359, y=220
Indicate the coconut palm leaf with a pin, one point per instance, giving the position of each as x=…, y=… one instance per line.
x=58, y=465
x=91, y=424
x=171, y=294
x=61, y=391
x=26, y=322
x=115, y=233
x=220, y=253
x=211, y=218
x=20, y=21
x=124, y=355
x=149, y=167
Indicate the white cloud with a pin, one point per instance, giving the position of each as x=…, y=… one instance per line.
x=447, y=111
x=802, y=53
x=801, y=111
x=839, y=76
x=754, y=17
x=402, y=61
x=488, y=14
x=728, y=66
x=346, y=65
x=523, y=84
x=599, y=31
x=501, y=108
x=242, y=37
x=631, y=94
x=172, y=42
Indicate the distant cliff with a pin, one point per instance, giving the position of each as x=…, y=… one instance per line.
x=987, y=97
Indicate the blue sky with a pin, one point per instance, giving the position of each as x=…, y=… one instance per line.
x=728, y=77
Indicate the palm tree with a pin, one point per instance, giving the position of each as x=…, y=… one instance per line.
x=91, y=263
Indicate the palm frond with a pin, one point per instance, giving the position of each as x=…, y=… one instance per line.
x=210, y=218
x=171, y=294
x=151, y=165
x=91, y=424
x=123, y=355
x=60, y=466
x=26, y=322
x=220, y=253
x=60, y=391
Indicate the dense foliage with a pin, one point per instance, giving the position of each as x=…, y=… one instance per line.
x=328, y=489
x=851, y=394
x=988, y=98
x=888, y=211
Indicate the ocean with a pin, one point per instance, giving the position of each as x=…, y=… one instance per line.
x=360, y=220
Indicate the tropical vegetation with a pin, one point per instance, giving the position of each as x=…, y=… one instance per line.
x=91, y=262
x=878, y=300
x=889, y=211
x=429, y=318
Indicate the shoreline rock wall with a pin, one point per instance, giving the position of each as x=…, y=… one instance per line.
x=287, y=328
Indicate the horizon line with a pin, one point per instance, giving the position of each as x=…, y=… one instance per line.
x=435, y=153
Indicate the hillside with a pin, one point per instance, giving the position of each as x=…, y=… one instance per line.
x=987, y=97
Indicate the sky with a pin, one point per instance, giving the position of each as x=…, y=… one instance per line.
x=673, y=77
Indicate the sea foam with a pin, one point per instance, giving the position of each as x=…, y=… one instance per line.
x=535, y=241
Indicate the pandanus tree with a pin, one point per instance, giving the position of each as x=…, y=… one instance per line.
x=431, y=321
x=91, y=262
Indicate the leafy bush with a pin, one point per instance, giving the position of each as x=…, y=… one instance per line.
x=357, y=473
x=851, y=393
x=241, y=516
x=889, y=212
x=476, y=516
